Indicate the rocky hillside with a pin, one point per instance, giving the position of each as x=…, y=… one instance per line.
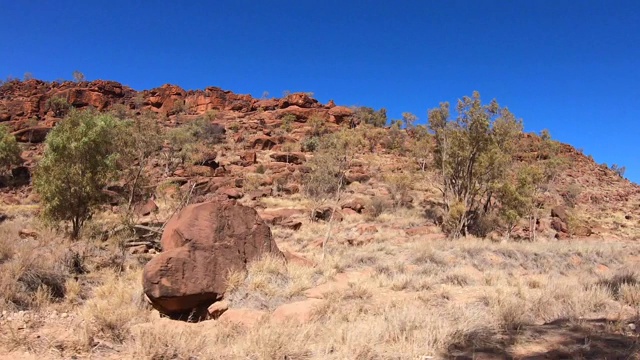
x=254, y=143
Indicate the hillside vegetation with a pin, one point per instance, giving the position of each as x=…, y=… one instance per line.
x=456, y=237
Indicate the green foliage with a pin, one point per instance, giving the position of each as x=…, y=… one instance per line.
x=472, y=153
x=377, y=206
x=80, y=158
x=287, y=122
x=396, y=138
x=142, y=138
x=408, y=119
x=179, y=107
x=211, y=115
x=138, y=101
x=515, y=201
x=191, y=142
x=366, y=115
x=372, y=135
x=234, y=126
x=421, y=146
x=317, y=126
x=311, y=144
x=59, y=105
x=570, y=196
x=9, y=150
x=120, y=111
x=399, y=185
x=206, y=132
x=331, y=160
x=181, y=147
x=31, y=123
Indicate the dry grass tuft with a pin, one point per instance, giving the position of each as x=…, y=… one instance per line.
x=116, y=305
x=270, y=282
x=33, y=272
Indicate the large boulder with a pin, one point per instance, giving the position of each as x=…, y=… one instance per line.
x=201, y=245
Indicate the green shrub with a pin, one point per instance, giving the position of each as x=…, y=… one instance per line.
x=80, y=159
x=310, y=144
x=9, y=150
x=59, y=105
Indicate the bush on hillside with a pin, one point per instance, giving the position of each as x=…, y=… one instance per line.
x=9, y=150
x=80, y=159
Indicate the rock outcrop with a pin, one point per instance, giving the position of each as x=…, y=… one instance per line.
x=201, y=245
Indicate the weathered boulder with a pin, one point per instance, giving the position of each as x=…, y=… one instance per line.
x=201, y=244
x=289, y=157
x=356, y=204
x=326, y=213
x=560, y=212
x=339, y=114
x=146, y=208
x=302, y=100
x=558, y=225
x=262, y=142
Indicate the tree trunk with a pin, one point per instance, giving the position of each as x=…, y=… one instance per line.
x=134, y=185
x=75, y=228
x=333, y=211
x=533, y=227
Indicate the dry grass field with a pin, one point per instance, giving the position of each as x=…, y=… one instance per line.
x=391, y=296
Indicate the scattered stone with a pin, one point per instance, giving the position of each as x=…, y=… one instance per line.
x=260, y=193
x=558, y=225
x=245, y=317
x=421, y=230
x=291, y=224
x=367, y=229
x=356, y=204
x=138, y=249
x=300, y=311
x=218, y=308
x=560, y=212
x=289, y=157
x=231, y=193
x=326, y=213
x=298, y=259
x=25, y=233
x=147, y=208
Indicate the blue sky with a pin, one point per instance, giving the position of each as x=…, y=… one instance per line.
x=572, y=67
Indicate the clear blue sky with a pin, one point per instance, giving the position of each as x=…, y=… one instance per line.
x=567, y=65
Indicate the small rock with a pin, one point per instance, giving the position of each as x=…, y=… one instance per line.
x=326, y=213
x=420, y=230
x=367, y=229
x=289, y=158
x=146, y=208
x=560, y=212
x=298, y=259
x=356, y=205
x=25, y=233
x=231, y=193
x=218, y=308
x=300, y=311
x=245, y=317
x=138, y=249
x=292, y=224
